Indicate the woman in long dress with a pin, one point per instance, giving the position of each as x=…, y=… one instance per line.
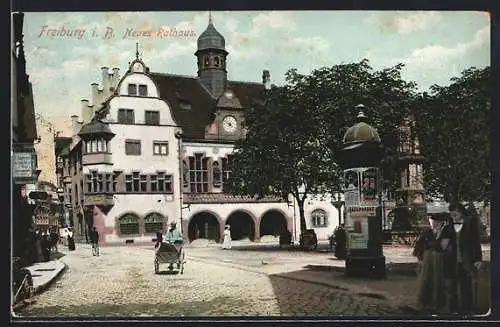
x=430, y=249
x=226, y=245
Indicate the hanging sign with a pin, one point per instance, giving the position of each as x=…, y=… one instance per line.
x=23, y=165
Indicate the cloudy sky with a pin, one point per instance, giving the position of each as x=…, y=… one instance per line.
x=435, y=46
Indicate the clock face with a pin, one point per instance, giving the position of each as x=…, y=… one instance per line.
x=229, y=124
x=138, y=68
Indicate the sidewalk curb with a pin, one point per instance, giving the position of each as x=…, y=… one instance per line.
x=43, y=287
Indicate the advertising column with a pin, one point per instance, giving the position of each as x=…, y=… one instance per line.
x=360, y=158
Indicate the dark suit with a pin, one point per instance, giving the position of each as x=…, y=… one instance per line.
x=466, y=246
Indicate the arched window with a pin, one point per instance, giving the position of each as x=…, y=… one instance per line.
x=216, y=61
x=129, y=224
x=319, y=218
x=153, y=223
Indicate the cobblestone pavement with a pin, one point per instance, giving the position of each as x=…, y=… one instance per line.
x=121, y=283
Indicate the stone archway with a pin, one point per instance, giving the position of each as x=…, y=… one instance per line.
x=204, y=225
x=272, y=223
x=242, y=225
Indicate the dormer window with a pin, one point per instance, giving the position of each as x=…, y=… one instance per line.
x=138, y=89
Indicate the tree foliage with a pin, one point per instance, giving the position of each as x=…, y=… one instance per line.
x=295, y=133
x=453, y=126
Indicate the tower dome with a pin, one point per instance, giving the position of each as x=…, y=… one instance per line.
x=361, y=131
x=211, y=38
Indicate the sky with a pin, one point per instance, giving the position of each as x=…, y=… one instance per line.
x=434, y=46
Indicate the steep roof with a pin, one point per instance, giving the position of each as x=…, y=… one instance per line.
x=193, y=106
x=96, y=127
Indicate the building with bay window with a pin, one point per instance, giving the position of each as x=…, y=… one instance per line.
x=156, y=147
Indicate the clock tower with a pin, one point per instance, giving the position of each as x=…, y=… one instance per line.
x=228, y=122
x=212, y=56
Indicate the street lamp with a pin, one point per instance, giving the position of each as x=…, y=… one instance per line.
x=338, y=204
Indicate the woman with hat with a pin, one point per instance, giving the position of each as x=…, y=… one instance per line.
x=431, y=249
x=226, y=245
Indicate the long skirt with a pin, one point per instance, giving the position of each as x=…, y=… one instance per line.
x=227, y=242
x=432, y=287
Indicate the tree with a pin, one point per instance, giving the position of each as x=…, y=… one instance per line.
x=281, y=154
x=295, y=133
x=453, y=126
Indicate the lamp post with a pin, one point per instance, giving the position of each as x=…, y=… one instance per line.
x=178, y=136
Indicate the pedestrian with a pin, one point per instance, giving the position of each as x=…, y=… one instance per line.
x=340, y=242
x=463, y=262
x=430, y=249
x=226, y=244
x=174, y=237
x=159, y=239
x=45, y=245
x=71, y=241
x=94, y=238
x=38, y=241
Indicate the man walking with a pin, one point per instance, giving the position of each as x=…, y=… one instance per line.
x=463, y=262
x=94, y=238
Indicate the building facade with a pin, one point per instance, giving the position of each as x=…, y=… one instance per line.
x=153, y=148
x=24, y=135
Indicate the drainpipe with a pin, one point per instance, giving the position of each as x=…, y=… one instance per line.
x=178, y=136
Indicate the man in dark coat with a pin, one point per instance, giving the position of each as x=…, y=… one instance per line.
x=463, y=261
x=340, y=242
x=94, y=238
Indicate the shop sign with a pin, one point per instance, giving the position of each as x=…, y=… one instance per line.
x=24, y=165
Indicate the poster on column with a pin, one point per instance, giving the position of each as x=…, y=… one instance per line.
x=369, y=187
x=358, y=234
x=351, y=187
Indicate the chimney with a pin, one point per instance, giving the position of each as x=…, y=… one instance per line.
x=266, y=79
x=87, y=111
x=105, y=78
x=94, y=93
x=116, y=78
x=74, y=124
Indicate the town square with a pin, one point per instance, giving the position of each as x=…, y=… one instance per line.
x=251, y=164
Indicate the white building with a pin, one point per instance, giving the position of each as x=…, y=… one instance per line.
x=155, y=148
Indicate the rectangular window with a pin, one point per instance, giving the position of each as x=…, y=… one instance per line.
x=109, y=183
x=115, y=181
x=132, y=89
x=88, y=182
x=164, y=183
x=198, y=174
x=135, y=182
x=126, y=116
x=144, y=183
x=160, y=148
x=152, y=117
x=154, y=183
x=226, y=170
x=128, y=183
x=143, y=90
x=133, y=147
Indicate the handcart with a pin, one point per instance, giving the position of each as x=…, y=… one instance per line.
x=171, y=254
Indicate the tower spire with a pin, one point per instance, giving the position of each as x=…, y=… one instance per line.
x=137, y=51
x=210, y=21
